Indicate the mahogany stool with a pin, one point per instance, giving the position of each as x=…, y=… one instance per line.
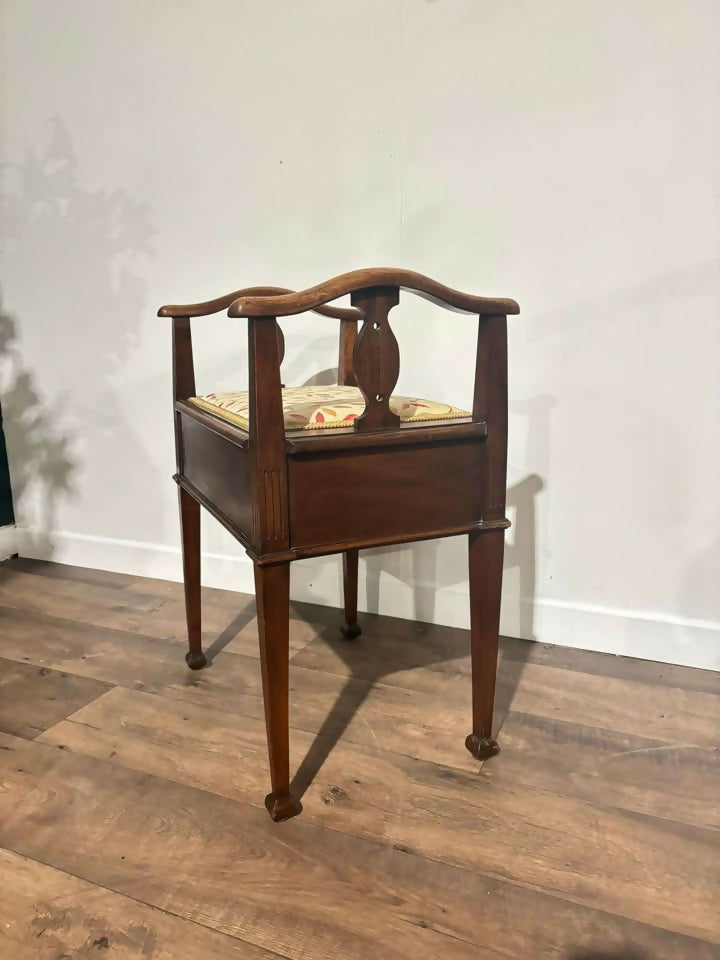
x=261, y=462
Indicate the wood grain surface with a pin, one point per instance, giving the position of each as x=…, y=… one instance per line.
x=131, y=819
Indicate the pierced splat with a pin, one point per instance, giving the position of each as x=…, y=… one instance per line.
x=376, y=358
x=348, y=339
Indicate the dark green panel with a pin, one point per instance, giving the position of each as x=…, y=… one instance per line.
x=6, y=507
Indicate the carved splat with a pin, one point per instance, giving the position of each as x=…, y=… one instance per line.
x=376, y=358
x=348, y=339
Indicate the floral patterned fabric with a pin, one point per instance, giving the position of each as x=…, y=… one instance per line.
x=313, y=408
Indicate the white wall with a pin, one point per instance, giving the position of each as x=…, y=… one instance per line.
x=562, y=153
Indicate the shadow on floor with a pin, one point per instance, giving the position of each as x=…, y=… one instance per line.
x=230, y=632
x=387, y=646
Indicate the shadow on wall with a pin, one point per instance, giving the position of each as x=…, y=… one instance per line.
x=68, y=251
x=40, y=450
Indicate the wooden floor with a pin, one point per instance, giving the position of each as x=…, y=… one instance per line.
x=131, y=815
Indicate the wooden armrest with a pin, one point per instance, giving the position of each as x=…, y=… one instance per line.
x=250, y=304
x=222, y=303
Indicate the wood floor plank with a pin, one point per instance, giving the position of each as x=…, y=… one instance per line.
x=112, y=607
x=46, y=914
x=393, y=642
x=493, y=826
x=76, y=600
x=172, y=590
x=626, y=706
x=220, y=607
x=246, y=641
x=298, y=889
x=233, y=599
x=410, y=723
x=609, y=665
x=660, y=712
x=64, y=571
x=34, y=698
x=393, y=648
x=593, y=836
x=568, y=760
x=156, y=612
x=114, y=656
x=672, y=781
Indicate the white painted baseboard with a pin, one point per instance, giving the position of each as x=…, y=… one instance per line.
x=8, y=541
x=647, y=635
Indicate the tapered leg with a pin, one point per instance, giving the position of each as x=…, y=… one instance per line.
x=485, y=563
x=351, y=629
x=272, y=594
x=190, y=528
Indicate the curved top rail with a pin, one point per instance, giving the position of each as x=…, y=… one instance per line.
x=256, y=293
x=252, y=305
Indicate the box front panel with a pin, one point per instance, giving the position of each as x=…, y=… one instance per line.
x=368, y=494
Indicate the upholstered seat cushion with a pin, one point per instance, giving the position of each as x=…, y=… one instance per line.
x=312, y=408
